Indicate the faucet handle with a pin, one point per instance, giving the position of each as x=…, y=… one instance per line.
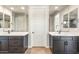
x=9, y=31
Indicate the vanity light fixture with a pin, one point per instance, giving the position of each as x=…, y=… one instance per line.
x=22, y=8
x=65, y=22
x=12, y=8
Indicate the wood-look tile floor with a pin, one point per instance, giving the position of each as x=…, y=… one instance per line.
x=38, y=51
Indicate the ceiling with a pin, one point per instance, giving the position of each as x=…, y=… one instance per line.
x=17, y=8
x=53, y=10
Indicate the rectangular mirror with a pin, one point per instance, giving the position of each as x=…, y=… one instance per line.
x=73, y=18
x=6, y=21
x=65, y=21
x=1, y=20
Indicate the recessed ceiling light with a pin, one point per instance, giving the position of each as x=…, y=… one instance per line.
x=56, y=7
x=0, y=7
x=12, y=8
x=22, y=8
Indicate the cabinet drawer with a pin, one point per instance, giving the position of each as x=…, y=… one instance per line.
x=15, y=49
x=3, y=37
x=66, y=38
x=16, y=37
x=56, y=38
x=15, y=45
x=15, y=42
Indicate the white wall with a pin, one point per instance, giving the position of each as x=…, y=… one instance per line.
x=21, y=22
x=51, y=23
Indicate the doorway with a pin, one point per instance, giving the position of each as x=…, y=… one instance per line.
x=38, y=25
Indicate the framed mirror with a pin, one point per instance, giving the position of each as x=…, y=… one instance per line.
x=1, y=20
x=73, y=18
x=65, y=21
x=6, y=21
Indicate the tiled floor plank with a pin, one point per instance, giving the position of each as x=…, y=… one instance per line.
x=38, y=51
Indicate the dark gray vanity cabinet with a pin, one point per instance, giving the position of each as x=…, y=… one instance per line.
x=78, y=44
x=26, y=41
x=13, y=44
x=51, y=43
x=18, y=44
x=3, y=44
x=64, y=44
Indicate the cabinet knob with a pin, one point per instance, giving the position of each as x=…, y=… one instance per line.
x=66, y=43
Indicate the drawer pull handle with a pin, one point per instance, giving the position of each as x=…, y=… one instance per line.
x=66, y=43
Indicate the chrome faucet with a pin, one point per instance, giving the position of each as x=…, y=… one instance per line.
x=8, y=31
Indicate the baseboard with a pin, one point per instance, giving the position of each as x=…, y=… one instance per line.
x=29, y=46
x=38, y=47
x=47, y=46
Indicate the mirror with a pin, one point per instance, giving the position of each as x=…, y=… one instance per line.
x=6, y=21
x=1, y=20
x=65, y=21
x=73, y=18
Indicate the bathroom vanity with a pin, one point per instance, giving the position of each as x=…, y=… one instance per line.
x=64, y=42
x=13, y=34
x=14, y=42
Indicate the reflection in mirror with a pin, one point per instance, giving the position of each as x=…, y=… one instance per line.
x=6, y=21
x=1, y=20
x=73, y=18
x=65, y=21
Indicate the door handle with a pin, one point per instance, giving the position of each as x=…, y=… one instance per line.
x=33, y=32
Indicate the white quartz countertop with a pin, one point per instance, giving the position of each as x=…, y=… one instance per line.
x=64, y=34
x=13, y=33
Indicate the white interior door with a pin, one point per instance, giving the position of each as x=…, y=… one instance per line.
x=38, y=26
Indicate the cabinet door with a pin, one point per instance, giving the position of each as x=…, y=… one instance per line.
x=52, y=38
x=61, y=46
x=58, y=45
x=71, y=46
x=50, y=41
x=75, y=44
x=3, y=43
x=55, y=44
x=78, y=44
x=26, y=41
